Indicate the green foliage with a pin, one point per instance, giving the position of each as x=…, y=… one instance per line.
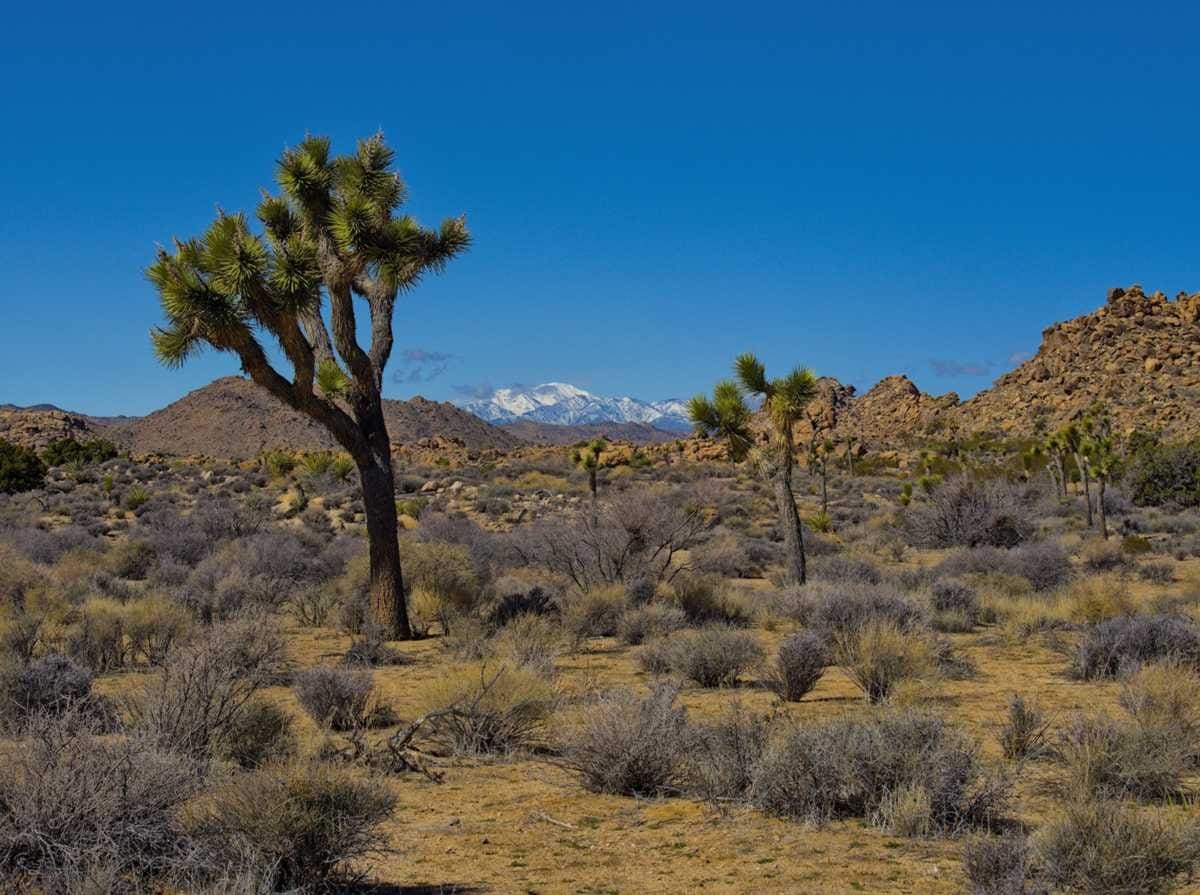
x=317, y=462
x=1159, y=473
x=277, y=464
x=20, y=469
x=67, y=450
x=330, y=379
x=136, y=498
x=412, y=506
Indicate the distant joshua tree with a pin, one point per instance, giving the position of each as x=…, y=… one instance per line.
x=1101, y=457
x=587, y=458
x=727, y=416
x=331, y=234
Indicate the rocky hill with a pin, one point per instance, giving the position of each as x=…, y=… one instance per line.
x=1139, y=354
x=553, y=433
x=232, y=417
x=36, y=427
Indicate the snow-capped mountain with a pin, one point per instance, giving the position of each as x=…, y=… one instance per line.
x=564, y=404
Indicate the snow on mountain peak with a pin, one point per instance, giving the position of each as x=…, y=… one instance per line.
x=565, y=404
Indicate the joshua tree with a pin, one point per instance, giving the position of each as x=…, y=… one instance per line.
x=819, y=453
x=1101, y=457
x=587, y=458
x=726, y=415
x=1074, y=439
x=1056, y=447
x=331, y=234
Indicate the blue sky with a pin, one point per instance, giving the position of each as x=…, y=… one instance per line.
x=866, y=188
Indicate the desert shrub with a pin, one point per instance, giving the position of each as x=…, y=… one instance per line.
x=1164, y=474
x=1024, y=731
x=97, y=639
x=1156, y=572
x=880, y=655
x=799, y=664
x=153, y=625
x=53, y=686
x=297, y=826
x=369, y=651
x=191, y=705
x=131, y=559
x=844, y=570
x=261, y=733
x=848, y=767
x=731, y=555
x=966, y=512
x=703, y=599
x=723, y=755
x=1044, y=564
x=516, y=597
x=73, y=805
x=655, y=655
x=949, y=595
x=62, y=451
x=443, y=570
x=1136, y=545
x=1097, y=598
x=714, y=655
x=1166, y=696
x=628, y=744
x=593, y=613
x=532, y=640
x=136, y=498
x=1106, y=758
x=1109, y=647
x=835, y=610
x=337, y=698
x=641, y=623
x=998, y=865
x=635, y=535
x=1104, y=556
x=482, y=711
x=20, y=468
x=1105, y=848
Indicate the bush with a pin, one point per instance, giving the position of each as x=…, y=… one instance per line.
x=337, y=698
x=799, y=664
x=20, y=469
x=296, y=826
x=594, y=613
x=62, y=451
x=1097, y=598
x=849, y=767
x=1104, y=848
x=880, y=655
x=715, y=655
x=965, y=512
x=371, y=652
x=702, y=599
x=844, y=570
x=1044, y=564
x=519, y=598
x=533, y=641
x=1105, y=556
x=642, y=623
x=74, y=805
x=1109, y=759
x=630, y=745
x=1161, y=474
x=1166, y=696
x=444, y=570
x=261, y=733
x=998, y=865
x=1023, y=734
x=480, y=712
x=655, y=655
x=1123, y=643
x=723, y=756
x=192, y=705
x=837, y=610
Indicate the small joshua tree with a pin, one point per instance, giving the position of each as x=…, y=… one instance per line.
x=588, y=459
x=727, y=416
x=1101, y=457
x=331, y=234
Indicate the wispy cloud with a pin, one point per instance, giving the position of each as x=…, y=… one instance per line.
x=421, y=365
x=1019, y=357
x=478, y=391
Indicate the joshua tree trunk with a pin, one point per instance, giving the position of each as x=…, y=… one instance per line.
x=824, y=488
x=789, y=522
x=1087, y=490
x=388, y=606
x=1100, y=485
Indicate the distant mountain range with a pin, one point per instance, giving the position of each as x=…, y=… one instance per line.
x=561, y=404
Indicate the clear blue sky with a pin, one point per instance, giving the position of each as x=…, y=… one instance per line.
x=866, y=188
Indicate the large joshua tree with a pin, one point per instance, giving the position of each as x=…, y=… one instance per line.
x=727, y=416
x=332, y=235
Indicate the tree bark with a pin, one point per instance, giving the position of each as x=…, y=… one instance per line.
x=789, y=523
x=1100, y=485
x=1087, y=491
x=389, y=609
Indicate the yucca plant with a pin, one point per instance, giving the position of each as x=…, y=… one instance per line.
x=332, y=233
x=587, y=457
x=727, y=416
